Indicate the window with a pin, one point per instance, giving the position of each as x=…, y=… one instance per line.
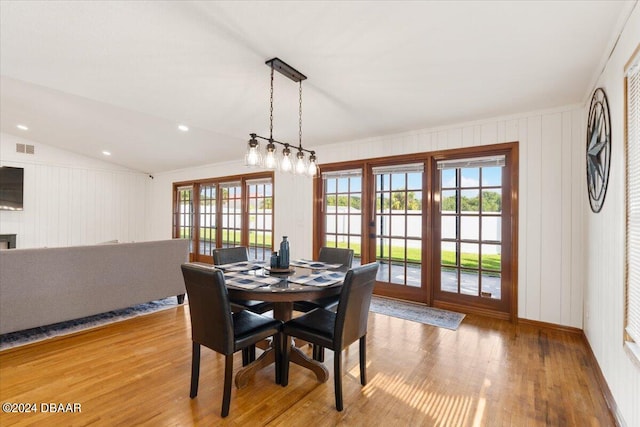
x=225, y=212
x=439, y=224
x=398, y=242
x=260, y=196
x=342, y=202
x=471, y=226
x=632, y=323
x=183, y=217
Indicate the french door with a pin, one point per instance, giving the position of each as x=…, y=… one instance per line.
x=472, y=237
x=442, y=226
x=396, y=234
x=225, y=212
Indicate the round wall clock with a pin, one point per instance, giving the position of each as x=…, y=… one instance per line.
x=598, y=149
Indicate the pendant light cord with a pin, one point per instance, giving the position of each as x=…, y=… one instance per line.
x=271, y=107
x=300, y=119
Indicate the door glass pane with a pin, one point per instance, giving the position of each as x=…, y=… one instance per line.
x=491, y=285
x=470, y=177
x=184, y=215
x=470, y=230
x=207, y=218
x=469, y=227
x=260, y=219
x=469, y=255
x=449, y=280
x=491, y=228
x=398, y=227
x=491, y=258
x=448, y=178
x=491, y=201
x=449, y=253
x=231, y=214
x=343, y=213
x=492, y=177
x=449, y=201
x=448, y=227
x=469, y=282
x=470, y=201
x=398, y=181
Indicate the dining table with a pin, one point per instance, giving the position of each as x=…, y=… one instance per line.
x=303, y=281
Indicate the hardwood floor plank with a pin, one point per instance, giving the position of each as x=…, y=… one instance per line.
x=136, y=372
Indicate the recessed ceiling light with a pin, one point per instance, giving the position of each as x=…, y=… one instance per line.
x=22, y=127
x=183, y=128
x=106, y=153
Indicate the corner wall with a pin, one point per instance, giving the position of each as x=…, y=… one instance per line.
x=551, y=199
x=71, y=199
x=605, y=245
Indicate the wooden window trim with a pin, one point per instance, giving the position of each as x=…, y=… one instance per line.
x=195, y=184
x=368, y=200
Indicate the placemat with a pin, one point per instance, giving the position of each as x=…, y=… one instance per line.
x=314, y=265
x=318, y=279
x=249, y=281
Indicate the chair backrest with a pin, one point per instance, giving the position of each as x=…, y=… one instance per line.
x=337, y=256
x=211, y=318
x=229, y=255
x=353, y=308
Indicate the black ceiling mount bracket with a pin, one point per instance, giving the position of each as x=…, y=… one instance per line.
x=285, y=69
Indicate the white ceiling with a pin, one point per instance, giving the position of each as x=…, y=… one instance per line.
x=120, y=76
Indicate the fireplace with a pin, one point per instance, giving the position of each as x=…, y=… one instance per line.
x=7, y=241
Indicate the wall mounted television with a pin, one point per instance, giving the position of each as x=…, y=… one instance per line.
x=11, y=188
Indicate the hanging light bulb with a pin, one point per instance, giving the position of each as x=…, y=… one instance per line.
x=301, y=165
x=270, y=160
x=253, y=156
x=313, y=166
x=285, y=164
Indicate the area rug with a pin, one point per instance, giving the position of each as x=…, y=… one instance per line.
x=29, y=336
x=417, y=313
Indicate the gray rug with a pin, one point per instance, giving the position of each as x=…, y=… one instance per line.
x=29, y=336
x=417, y=313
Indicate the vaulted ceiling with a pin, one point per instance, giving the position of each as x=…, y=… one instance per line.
x=88, y=76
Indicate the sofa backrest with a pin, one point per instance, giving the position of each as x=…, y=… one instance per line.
x=43, y=286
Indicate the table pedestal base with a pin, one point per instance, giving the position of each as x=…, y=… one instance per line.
x=296, y=356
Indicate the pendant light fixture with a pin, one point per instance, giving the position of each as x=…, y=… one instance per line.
x=270, y=159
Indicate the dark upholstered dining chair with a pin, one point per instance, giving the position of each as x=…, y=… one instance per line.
x=213, y=325
x=330, y=256
x=239, y=254
x=337, y=330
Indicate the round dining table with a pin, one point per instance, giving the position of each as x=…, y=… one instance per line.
x=283, y=294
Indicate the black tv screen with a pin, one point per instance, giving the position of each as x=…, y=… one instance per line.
x=11, y=188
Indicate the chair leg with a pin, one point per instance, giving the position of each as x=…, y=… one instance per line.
x=195, y=369
x=363, y=360
x=337, y=376
x=277, y=346
x=318, y=353
x=248, y=355
x=284, y=369
x=228, y=374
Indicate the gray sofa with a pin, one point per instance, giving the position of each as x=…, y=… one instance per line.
x=44, y=286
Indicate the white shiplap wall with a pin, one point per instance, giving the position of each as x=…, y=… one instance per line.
x=292, y=195
x=73, y=200
x=552, y=187
x=605, y=248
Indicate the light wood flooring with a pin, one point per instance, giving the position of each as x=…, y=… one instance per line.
x=487, y=373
